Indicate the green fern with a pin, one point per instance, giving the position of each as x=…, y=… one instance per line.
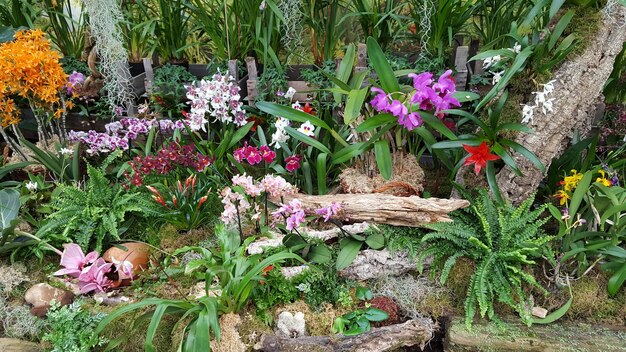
x=500, y=240
x=91, y=215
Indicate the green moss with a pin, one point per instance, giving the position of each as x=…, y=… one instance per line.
x=593, y=304
x=251, y=328
x=584, y=26
x=172, y=239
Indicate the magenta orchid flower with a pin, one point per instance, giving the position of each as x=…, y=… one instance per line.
x=380, y=101
x=74, y=260
x=94, y=278
x=410, y=121
x=329, y=211
x=445, y=83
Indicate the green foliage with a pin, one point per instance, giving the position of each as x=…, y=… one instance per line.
x=614, y=90
x=63, y=167
x=67, y=33
x=501, y=240
x=92, y=215
x=358, y=321
x=380, y=19
x=238, y=275
x=350, y=247
x=400, y=238
x=322, y=285
x=271, y=81
x=71, y=64
x=72, y=329
x=169, y=92
x=276, y=290
x=18, y=13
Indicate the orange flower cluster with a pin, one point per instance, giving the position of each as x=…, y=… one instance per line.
x=31, y=69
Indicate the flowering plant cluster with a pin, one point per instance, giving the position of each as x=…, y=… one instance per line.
x=496, y=65
x=183, y=204
x=91, y=270
x=542, y=101
x=74, y=83
x=245, y=193
x=120, y=133
x=307, y=128
x=254, y=155
x=166, y=160
x=218, y=97
x=428, y=95
x=607, y=178
x=31, y=69
x=479, y=156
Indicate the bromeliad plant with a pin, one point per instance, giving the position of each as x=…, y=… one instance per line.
x=501, y=240
x=184, y=205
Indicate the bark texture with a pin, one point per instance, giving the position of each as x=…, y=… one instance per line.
x=578, y=88
x=370, y=264
x=386, y=208
x=388, y=338
x=519, y=338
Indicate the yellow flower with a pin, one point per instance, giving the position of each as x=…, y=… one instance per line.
x=563, y=196
x=570, y=182
x=603, y=180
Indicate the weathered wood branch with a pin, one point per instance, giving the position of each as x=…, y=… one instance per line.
x=578, y=89
x=388, y=338
x=385, y=208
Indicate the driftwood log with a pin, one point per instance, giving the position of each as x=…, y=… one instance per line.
x=578, y=89
x=388, y=338
x=517, y=337
x=386, y=208
x=371, y=264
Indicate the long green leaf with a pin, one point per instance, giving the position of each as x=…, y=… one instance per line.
x=383, y=158
x=308, y=140
x=349, y=251
x=377, y=58
x=354, y=103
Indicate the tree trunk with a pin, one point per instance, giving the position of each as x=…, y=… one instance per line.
x=386, y=208
x=578, y=88
x=388, y=338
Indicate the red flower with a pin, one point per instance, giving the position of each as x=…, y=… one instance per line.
x=252, y=155
x=308, y=109
x=267, y=154
x=267, y=269
x=292, y=163
x=479, y=156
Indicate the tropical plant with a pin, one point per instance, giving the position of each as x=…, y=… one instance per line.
x=170, y=22
x=359, y=321
x=593, y=223
x=68, y=26
x=379, y=19
x=63, y=163
x=492, y=135
x=492, y=19
x=235, y=28
x=169, y=89
x=438, y=23
x=540, y=49
x=322, y=18
x=614, y=90
x=351, y=246
x=500, y=240
x=185, y=205
x=92, y=215
x=19, y=13
x=238, y=276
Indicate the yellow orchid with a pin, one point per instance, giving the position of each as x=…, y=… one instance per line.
x=562, y=196
x=570, y=182
x=603, y=180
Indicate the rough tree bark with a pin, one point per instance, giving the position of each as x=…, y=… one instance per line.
x=382, y=208
x=578, y=89
x=388, y=338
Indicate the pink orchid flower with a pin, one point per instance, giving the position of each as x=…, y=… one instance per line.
x=94, y=277
x=74, y=260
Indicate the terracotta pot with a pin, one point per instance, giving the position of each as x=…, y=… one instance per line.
x=138, y=254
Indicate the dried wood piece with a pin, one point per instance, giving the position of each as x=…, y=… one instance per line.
x=388, y=338
x=386, y=208
x=370, y=264
x=518, y=337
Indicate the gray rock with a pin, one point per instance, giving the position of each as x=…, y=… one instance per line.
x=291, y=325
x=15, y=345
x=370, y=264
x=41, y=296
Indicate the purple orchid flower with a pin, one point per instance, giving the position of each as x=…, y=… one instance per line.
x=380, y=101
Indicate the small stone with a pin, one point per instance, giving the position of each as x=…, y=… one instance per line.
x=540, y=312
x=291, y=325
x=138, y=254
x=15, y=345
x=290, y=271
x=110, y=299
x=41, y=296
